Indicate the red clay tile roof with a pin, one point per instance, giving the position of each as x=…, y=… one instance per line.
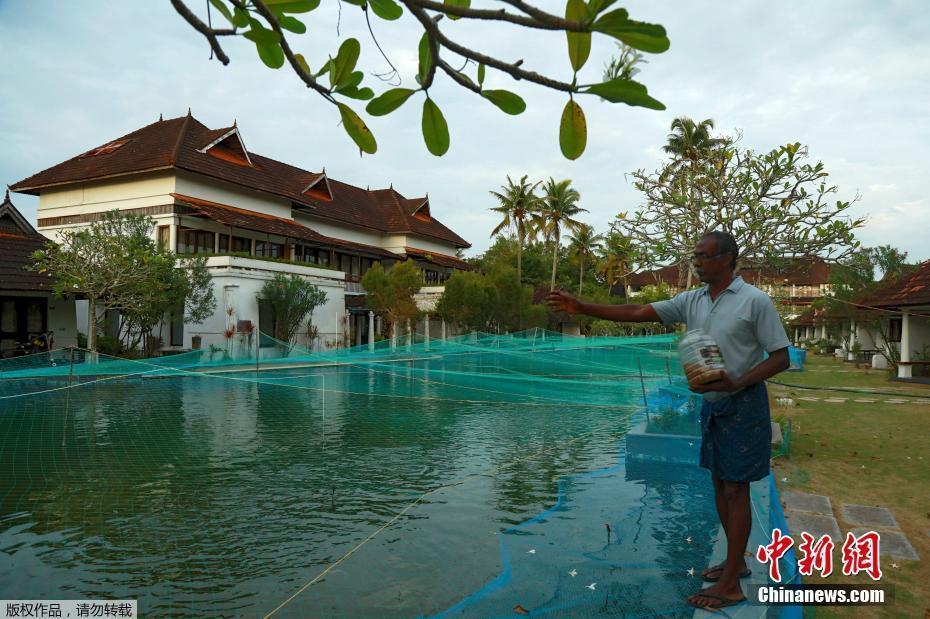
x=798, y=271
x=176, y=143
x=439, y=259
x=910, y=289
x=18, y=240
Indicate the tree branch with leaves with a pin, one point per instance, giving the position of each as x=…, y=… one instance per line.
x=271, y=24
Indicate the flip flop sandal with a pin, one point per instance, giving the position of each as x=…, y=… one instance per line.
x=724, y=601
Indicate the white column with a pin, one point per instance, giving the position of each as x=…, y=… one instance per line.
x=173, y=237
x=443, y=329
x=409, y=334
x=426, y=332
x=905, y=371
x=853, y=338
x=823, y=331
x=371, y=330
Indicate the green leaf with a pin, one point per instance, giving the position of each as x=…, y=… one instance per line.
x=426, y=58
x=389, y=101
x=357, y=2
x=292, y=6
x=222, y=8
x=357, y=129
x=344, y=63
x=481, y=74
x=579, y=43
x=507, y=101
x=303, y=63
x=625, y=91
x=638, y=35
x=363, y=94
x=271, y=54
x=292, y=23
x=240, y=18
x=573, y=132
x=386, y=9
x=325, y=68
x=435, y=129
x=459, y=3
x=260, y=35
x=596, y=6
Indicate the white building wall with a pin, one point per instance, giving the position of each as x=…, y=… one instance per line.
x=236, y=285
x=123, y=193
x=206, y=188
x=341, y=231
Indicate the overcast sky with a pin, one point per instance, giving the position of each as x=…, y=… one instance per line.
x=849, y=79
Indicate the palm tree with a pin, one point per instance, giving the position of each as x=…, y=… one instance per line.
x=688, y=143
x=519, y=204
x=617, y=258
x=559, y=207
x=583, y=243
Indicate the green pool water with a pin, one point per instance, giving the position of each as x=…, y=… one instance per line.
x=227, y=495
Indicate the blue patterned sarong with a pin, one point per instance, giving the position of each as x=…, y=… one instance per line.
x=736, y=435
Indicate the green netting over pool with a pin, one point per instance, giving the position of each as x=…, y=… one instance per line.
x=392, y=480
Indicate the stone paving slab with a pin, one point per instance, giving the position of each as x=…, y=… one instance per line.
x=869, y=516
x=804, y=502
x=776, y=433
x=893, y=544
x=835, y=400
x=815, y=524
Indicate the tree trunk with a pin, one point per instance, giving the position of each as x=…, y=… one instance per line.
x=92, y=324
x=555, y=255
x=581, y=274
x=519, y=255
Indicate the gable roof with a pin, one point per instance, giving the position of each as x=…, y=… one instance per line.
x=912, y=288
x=18, y=241
x=800, y=271
x=185, y=143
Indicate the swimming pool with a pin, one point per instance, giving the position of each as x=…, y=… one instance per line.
x=230, y=494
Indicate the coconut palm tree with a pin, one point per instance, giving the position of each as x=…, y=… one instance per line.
x=519, y=205
x=557, y=212
x=689, y=143
x=617, y=257
x=583, y=243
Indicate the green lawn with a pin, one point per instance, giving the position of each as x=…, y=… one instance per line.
x=866, y=454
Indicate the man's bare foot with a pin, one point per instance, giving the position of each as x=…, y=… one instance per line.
x=713, y=573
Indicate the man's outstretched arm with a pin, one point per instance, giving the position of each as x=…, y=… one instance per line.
x=562, y=301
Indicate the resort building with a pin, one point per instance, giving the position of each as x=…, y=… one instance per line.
x=796, y=283
x=27, y=306
x=254, y=217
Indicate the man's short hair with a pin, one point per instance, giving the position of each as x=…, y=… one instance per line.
x=725, y=243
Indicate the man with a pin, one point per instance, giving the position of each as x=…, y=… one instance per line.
x=737, y=430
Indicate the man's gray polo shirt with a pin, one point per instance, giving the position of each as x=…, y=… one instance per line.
x=742, y=320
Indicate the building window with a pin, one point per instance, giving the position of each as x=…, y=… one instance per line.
x=195, y=242
x=223, y=245
x=269, y=249
x=241, y=245
x=323, y=257
x=894, y=329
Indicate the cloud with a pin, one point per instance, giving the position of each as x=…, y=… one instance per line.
x=850, y=80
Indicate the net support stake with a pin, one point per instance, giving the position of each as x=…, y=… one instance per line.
x=668, y=371
x=642, y=383
x=64, y=428
x=258, y=337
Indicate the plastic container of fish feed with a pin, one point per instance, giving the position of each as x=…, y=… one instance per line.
x=701, y=358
